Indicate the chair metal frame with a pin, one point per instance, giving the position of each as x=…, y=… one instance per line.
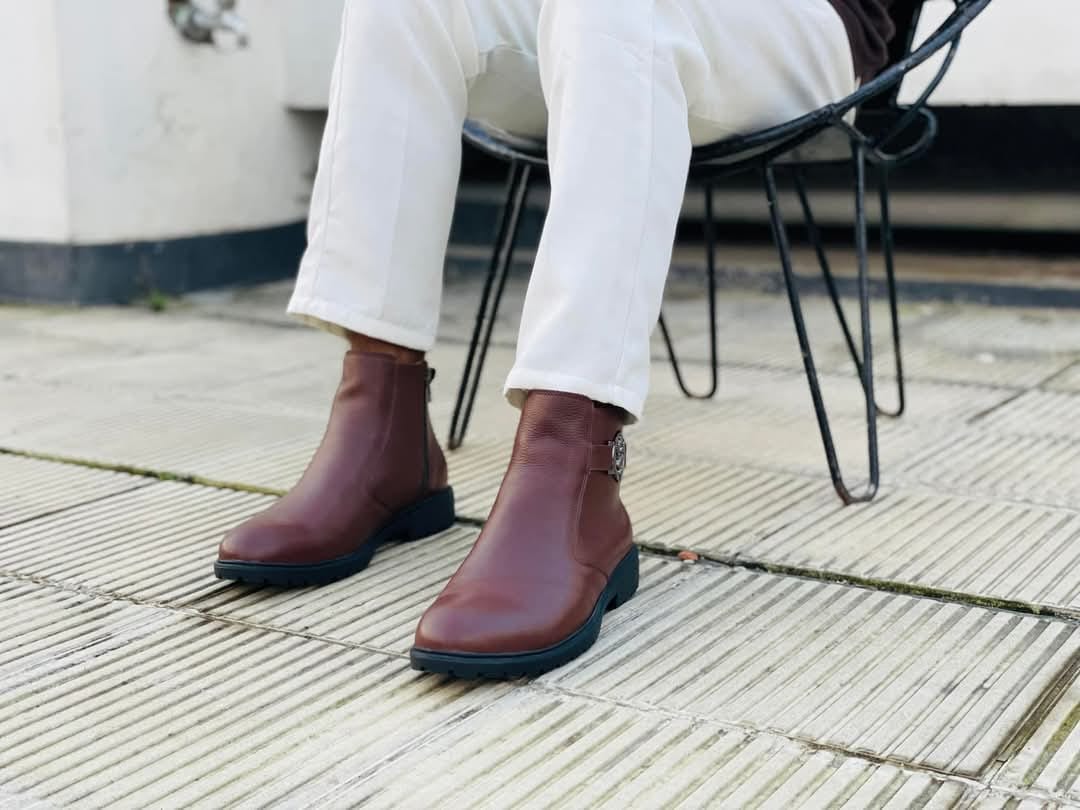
x=825, y=136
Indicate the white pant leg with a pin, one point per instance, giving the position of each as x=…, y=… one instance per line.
x=405, y=74
x=630, y=85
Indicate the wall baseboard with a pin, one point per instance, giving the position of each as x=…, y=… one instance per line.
x=121, y=273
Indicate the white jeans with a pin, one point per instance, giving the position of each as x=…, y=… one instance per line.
x=622, y=89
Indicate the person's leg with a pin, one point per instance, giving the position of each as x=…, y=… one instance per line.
x=629, y=84
x=391, y=155
x=380, y=217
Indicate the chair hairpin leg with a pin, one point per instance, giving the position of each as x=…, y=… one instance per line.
x=890, y=281
x=517, y=192
x=783, y=246
x=814, y=235
x=710, y=275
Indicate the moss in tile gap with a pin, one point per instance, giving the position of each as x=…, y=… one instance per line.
x=1037, y=715
x=1061, y=733
x=886, y=585
x=130, y=469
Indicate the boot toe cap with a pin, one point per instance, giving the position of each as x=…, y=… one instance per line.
x=256, y=541
x=494, y=621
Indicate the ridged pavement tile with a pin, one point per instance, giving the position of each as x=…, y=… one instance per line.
x=1037, y=413
x=536, y=750
x=43, y=630
x=156, y=544
x=29, y=488
x=221, y=441
x=1049, y=762
x=1067, y=380
x=1031, y=469
x=908, y=679
x=191, y=713
x=979, y=546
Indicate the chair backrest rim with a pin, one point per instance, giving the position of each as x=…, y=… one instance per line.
x=511, y=147
x=942, y=37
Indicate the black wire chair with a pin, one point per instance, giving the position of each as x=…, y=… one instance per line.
x=885, y=135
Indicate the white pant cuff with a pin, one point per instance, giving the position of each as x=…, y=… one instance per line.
x=337, y=319
x=522, y=380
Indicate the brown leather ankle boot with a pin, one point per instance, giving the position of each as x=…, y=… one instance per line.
x=555, y=554
x=379, y=475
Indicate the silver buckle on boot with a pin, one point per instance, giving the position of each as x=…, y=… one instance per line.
x=618, y=457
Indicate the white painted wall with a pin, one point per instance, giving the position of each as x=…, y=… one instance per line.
x=33, y=185
x=309, y=38
x=1018, y=52
x=159, y=138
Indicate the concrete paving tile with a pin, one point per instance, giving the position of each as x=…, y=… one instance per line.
x=25, y=405
x=996, y=800
x=677, y=504
x=43, y=630
x=205, y=714
x=907, y=679
x=976, y=366
x=1036, y=413
x=156, y=544
x=23, y=354
x=776, y=436
x=1049, y=761
x=252, y=446
x=1031, y=469
x=758, y=329
x=30, y=488
x=994, y=549
x=1067, y=380
x=993, y=345
x=1012, y=331
x=534, y=749
x=134, y=329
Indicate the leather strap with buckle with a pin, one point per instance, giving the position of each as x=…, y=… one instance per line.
x=610, y=457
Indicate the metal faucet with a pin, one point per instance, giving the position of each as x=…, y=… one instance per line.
x=211, y=22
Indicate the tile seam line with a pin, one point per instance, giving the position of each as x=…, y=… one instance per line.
x=135, y=487
x=896, y=587
x=192, y=613
x=141, y=472
x=1005, y=403
x=913, y=484
x=729, y=561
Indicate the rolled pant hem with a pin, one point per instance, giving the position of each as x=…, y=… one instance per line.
x=522, y=380
x=337, y=319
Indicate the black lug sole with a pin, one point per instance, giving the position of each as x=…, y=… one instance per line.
x=432, y=515
x=621, y=588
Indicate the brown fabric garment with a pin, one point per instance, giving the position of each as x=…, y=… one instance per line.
x=869, y=28
x=372, y=464
x=555, y=535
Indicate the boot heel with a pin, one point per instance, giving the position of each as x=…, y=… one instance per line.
x=432, y=515
x=624, y=580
